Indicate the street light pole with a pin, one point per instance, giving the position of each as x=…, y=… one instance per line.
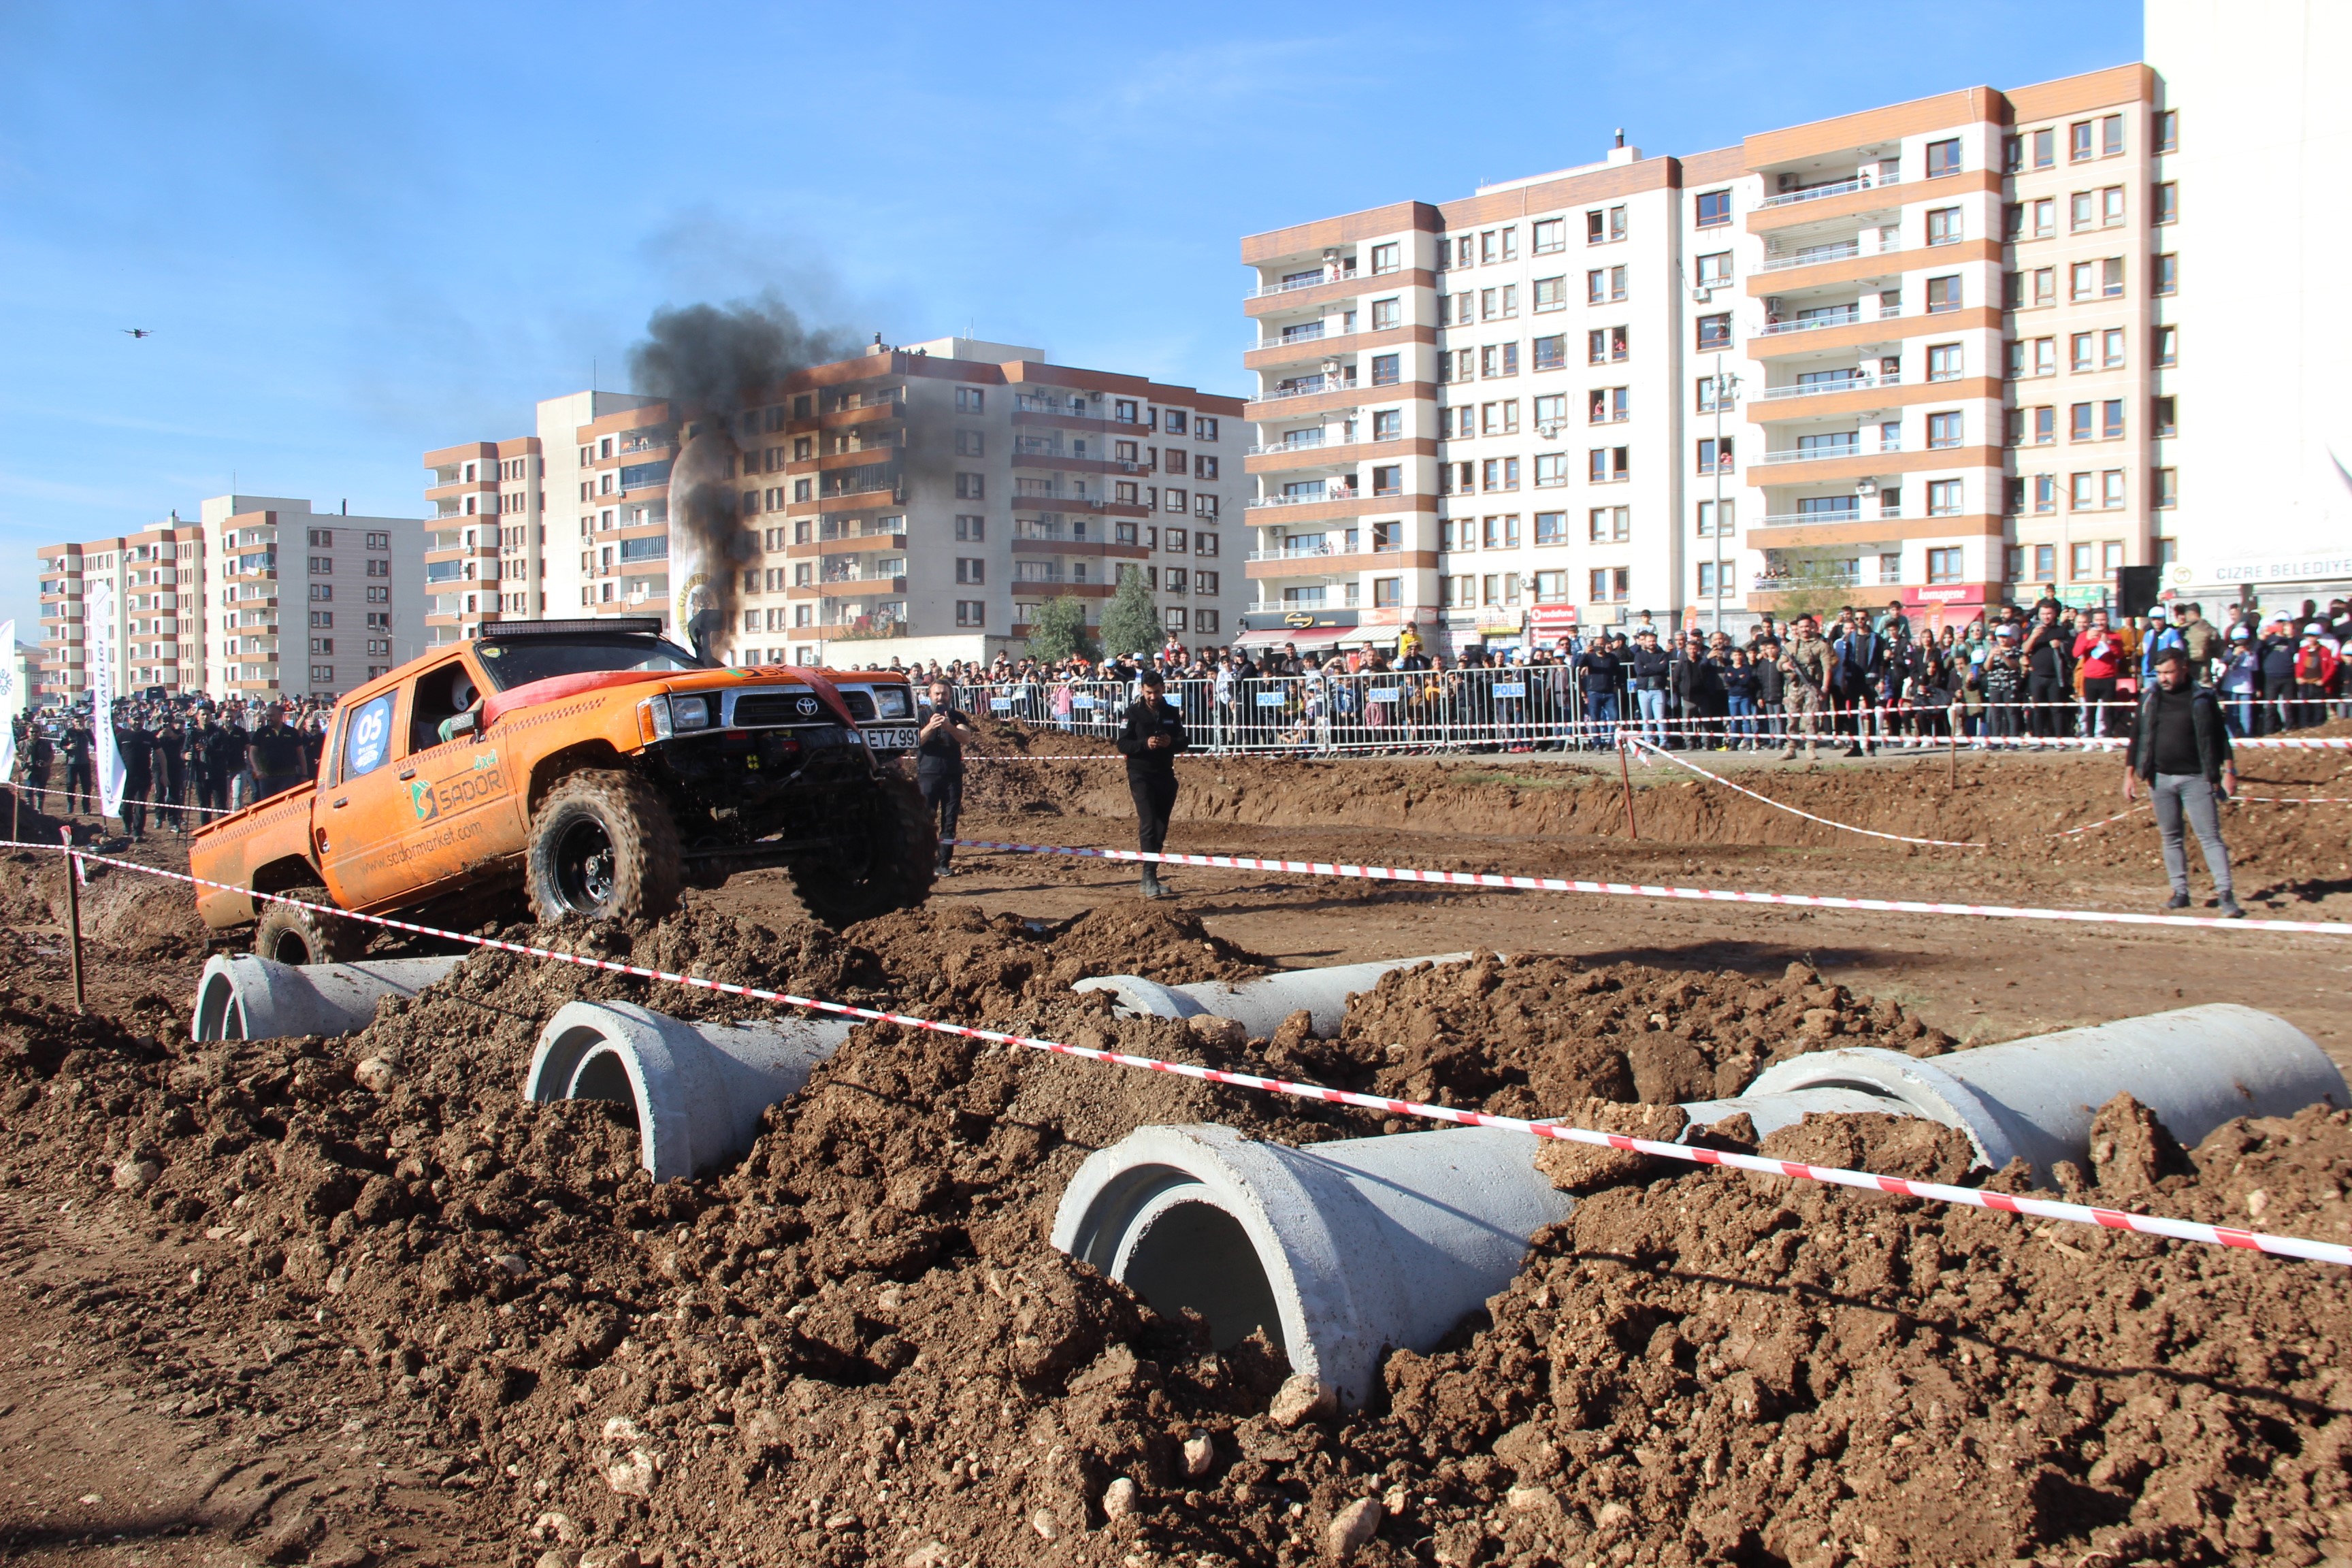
x=1724, y=385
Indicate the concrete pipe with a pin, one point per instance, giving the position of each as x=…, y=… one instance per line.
x=696, y=1092
x=244, y=996
x=1338, y=1250
x=1258, y=1006
x=2194, y=1067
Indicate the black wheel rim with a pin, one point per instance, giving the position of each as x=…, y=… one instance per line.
x=583, y=867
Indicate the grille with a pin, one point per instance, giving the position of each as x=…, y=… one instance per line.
x=757, y=708
x=861, y=704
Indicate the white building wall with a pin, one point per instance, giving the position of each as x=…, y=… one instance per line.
x=2265, y=129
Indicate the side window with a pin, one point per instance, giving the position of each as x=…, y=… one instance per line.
x=367, y=737
x=441, y=694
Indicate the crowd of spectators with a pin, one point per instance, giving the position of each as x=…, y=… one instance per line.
x=184, y=758
x=1882, y=678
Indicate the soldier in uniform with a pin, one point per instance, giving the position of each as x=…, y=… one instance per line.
x=1807, y=663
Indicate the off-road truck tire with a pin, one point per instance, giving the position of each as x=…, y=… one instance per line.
x=603, y=844
x=286, y=934
x=901, y=862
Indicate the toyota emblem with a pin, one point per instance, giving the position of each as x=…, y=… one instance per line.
x=807, y=706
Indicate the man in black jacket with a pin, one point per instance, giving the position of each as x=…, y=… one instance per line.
x=277, y=749
x=1151, y=741
x=939, y=766
x=2181, y=748
x=136, y=746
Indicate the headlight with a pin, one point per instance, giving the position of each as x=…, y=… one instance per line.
x=892, y=701
x=690, y=713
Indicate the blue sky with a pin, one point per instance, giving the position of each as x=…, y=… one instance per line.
x=361, y=231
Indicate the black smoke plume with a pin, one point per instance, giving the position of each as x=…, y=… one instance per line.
x=712, y=363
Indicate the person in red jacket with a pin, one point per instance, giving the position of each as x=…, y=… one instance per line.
x=2099, y=654
x=2314, y=675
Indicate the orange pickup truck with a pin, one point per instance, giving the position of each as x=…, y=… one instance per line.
x=592, y=767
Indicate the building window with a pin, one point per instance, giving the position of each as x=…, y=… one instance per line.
x=968, y=443
x=2167, y=207
x=2111, y=489
x=1502, y=532
x=1944, y=564
x=1603, y=225
x=1942, y=158
x=1603, y=285
x=1498, y=360
x=1943, y=225
x=1609, y=464
x=1943, y=430
x=1606, y=345
x=2078, y=142
x=1612, y=524
x=1551, y=353
x=1388, y=480
x=2167, y=275
x=971, y=612
x=2111, y=206
x=1717, y=520
x=1610, y=584
x=970, y=571
x=1551, y=469
x=1715, y=332
x=1551, y=294
x=2165, y=488
x=1708, y=579
x=1609, y=405
x=1501, y=474
x=968, y=400
x=1944, y=361
x=2167, y=130
x=2111, y=419
x=1385, y=314
x=1944, y=497
x=1714, y=209
x=1943, y=294
x=969, y=486
x=1384, y=258
x=1550, y=234
x=2111, y=136
x=1715, y=457
x=2168, y=346
x=1552, y=528
x=1384, y=370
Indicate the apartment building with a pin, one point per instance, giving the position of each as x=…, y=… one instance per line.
x=158, y=621
x=911, y=502
x=1915, y=353
x=487, y=553
x=197, y=603
x=359, y=610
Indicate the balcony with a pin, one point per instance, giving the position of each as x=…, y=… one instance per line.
x=1292, y=286
x=1861, y=182
x=1830, y=453
x=1844, y=316
x=1291, y=552
x=1314, y=333
x=1822, y=388
x=1806, y=518
x=1323, y=383
x=1335, y=492
x=1821, y=255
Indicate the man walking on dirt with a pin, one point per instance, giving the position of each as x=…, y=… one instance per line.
x=82, y=749
x=939, y=766
x=2180, y=748
x=1807, y=663
x=1151, y=741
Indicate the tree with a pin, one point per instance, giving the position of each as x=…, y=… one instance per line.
x=1130, y=622
x=1815, y=585
x=1061, y=630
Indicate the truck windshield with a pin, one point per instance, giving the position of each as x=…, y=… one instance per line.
x=521, y=661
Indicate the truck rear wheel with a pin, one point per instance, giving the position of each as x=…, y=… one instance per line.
x=604, y=845
x=286, y=934
x=892, y=869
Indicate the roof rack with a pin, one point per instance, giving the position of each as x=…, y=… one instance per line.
x=631, y=625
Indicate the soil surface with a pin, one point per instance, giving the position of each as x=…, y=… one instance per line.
x=263, y=1303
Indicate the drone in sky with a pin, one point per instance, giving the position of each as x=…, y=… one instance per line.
x=141, y=331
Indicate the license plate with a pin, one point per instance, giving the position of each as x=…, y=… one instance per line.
x=891, y=740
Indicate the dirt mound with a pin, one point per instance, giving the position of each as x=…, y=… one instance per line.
x=1538, y=1035
x=1743, y=1369
x=859, y=1347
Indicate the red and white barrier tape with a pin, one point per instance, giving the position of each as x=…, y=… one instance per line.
x=1968, y=1197
x=1651, y=891
x=1645, y=746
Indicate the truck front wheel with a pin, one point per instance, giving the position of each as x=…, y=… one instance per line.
x=888, y=867
x=604, y=845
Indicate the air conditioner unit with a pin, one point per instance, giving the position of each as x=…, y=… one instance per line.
x=1701, y=294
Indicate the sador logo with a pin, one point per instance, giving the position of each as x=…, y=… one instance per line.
x=420, y=795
